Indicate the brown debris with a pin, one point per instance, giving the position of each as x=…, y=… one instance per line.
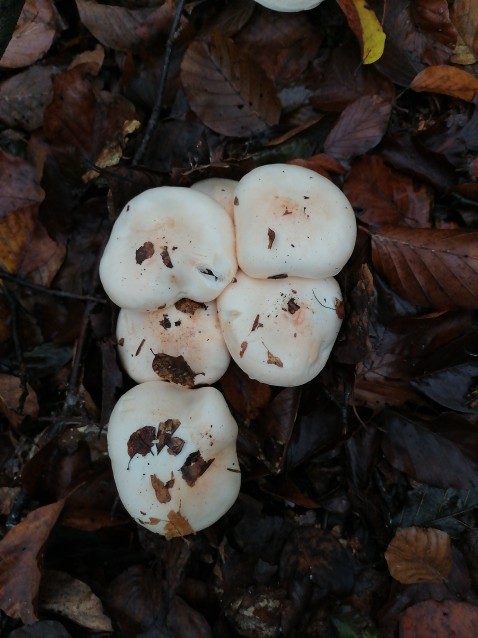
x=194, y=467
x=271, y=235
x=141, y=441
x=146, y=251
x=188, y=306
x=161, y=489
x=166, y=258
x=174, y=369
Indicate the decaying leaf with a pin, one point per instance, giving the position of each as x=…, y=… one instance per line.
x=227, y=90
x=141, y=442
x=464, y=15
x=174, y=369
x=161, y=488
x=178, y=525
x=431, y=268
x=440, y=619
x=194, y=467
x=419, y=555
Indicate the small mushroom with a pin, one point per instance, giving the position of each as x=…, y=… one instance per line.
x=182, y=343
x=173, y=453
x=280, y=331
x=168, y=243
x=292, y=221
x=221, y=189
x=289, y=5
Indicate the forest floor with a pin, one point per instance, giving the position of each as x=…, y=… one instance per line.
x=357, y=513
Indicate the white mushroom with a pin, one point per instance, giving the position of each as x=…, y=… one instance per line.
x=289, y=5
x=221, y=189
x=182, y=343
x=173, y=453
x=280, y=331
x=292, y=221
x=167, y=244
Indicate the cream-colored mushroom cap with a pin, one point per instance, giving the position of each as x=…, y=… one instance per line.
x=221, y=189
x=281, y=331
x=173, y=452
x=292, y=221
x=167, y=244
x=182, y=344
x=289, y=5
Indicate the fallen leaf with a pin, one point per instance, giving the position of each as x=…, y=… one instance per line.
x=21, y=550
x=464, y=15
x=13, y=403
x=447, y=80
x=33, y=36
x=366, y=27
x=227, y=90
x=178, y=525
x=419, y=555
x=445, y=619
x=433, y=17
x=360, y=127
x=430, y=268
x=452, y=387
x=71, y=598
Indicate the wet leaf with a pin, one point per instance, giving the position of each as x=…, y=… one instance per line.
x=23, y=97
x=419, y=555
x=454, y=387
x=433, y=17
x=427, y=506
x=448, y=80
x=360, y=127
x=22, y=551
x=71, y=598
x=464, y=15
x=368, y=30
x=430, y=268
x=227, y=90
x=33, y=35
x=439, y=619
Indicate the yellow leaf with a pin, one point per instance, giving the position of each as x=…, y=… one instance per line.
x=367, y=28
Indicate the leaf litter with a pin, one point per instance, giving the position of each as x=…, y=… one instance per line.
x=373, y=461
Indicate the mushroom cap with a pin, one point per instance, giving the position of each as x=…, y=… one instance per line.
x=291, y=220
x=168, y=243
x=280, y=331
x=182, y=343
x=173, y=453
x=289, y=5
x=221, y=189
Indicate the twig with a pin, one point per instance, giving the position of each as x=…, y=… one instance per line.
x=155, y=113
x=48, y=291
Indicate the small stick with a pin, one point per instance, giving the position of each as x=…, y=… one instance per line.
x=48, y=291
x=153, y=120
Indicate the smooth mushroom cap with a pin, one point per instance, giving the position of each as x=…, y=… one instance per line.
x=289, y=5
x=182, y=343
x=167, y=244
x=280, y=331
x=221, y=189
x=173, y=452
x=292, y=221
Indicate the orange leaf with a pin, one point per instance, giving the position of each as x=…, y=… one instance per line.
x=448, y=80
x=419, y=555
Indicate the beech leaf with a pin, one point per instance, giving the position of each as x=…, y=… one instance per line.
x=419, y=555
x=227, y=90
x=448, y=80
x=366, y=27
x=439, y=619
x=435, y=268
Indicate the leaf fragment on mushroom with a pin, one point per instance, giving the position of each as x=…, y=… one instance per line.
x=146, y=251
x=178, y=525
x=174, y=369
x=141, y=441
x=194, y=467
x=161, y=489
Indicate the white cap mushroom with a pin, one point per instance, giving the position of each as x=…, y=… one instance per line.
x=289, y=5
x=182, y=343
x=221, y=189
x=292, y=221
x=280, y=331
x=173, y=452
x=167, y=244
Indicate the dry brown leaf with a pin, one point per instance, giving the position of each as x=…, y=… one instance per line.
x=227, y=90
x=429, y=267
x=419, y=555
x=21, y=556
x=448, y=80
x=445, y=619
x=464, y=15
x=11, y=400
x=71, y=598
x=33, y=36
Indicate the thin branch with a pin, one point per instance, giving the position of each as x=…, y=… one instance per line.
x=155, y=114
x=48, y=291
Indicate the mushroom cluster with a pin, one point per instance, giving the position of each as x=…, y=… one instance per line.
x=224, y=268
